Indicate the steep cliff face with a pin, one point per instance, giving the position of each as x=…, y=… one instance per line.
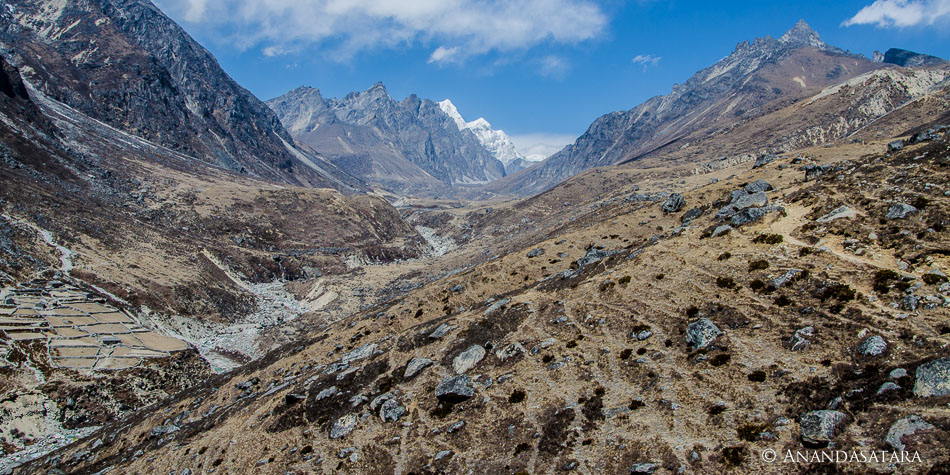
x=757, y=78
x=125, y=63
x=407, y=146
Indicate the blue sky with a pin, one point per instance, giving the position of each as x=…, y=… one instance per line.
x=542, y=70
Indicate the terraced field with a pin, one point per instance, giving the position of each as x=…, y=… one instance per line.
x=81, y=330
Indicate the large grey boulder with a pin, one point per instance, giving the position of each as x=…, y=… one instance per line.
x=467, y=359
x=873, y=345
x=820, y=427
x=907, y=426
x=933, y=378
x=895, y=146
x=674, y=203
x=701, y=333
x=455, y=389
x=741, y=201
x=900, y=211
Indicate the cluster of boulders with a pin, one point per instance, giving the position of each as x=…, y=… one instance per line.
x=932, y=133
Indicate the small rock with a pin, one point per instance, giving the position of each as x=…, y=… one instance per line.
x=391, y=411
x=819, y=427
x=497, y=305
x=443, y=454
x=701, y=333
x=547, y=343
x=441, y=331
x=644, y=335
x=360, y=353
x=721, y=230
x=842, y=212
x=933, y=378
x=873, y=345
x=454, y=427
x=643, y=467
x=344, y=426
x=691, y=215
x=757, y=186
x=536, y=252
x=904, y=427
x=327, y=393
x=910, y=303
x=674, y=203
x=887, y=387
x=415, y=366
x=900, y=211
x=510, y=351
x=764, y=160
x=895, y=146
x=455, y=389
x=467, y=359
x=785, y=278
x=898, y=373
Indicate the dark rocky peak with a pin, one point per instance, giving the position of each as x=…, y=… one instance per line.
x=903, y=57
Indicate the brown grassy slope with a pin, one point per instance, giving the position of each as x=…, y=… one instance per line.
x=599, y=400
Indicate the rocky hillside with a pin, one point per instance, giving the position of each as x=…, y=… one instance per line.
x=757, y=78
x=411, y=146
x=83, y=54
x=794, y=305
x=129, y=271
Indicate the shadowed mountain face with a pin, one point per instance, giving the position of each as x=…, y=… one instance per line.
x=125, y=63
x=407, y=146
x=902, y=57
x=757, y=78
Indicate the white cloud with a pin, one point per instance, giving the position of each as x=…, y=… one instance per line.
x=537, y=147
x=646, y=60
x=443, y=54
x=901, y=13
x=345, y=27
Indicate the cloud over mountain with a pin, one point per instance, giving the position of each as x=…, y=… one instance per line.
x=901, y=13
x=456, y=28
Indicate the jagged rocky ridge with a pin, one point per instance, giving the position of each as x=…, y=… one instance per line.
x=757, y=78
x=408, y=146
x=125, y=63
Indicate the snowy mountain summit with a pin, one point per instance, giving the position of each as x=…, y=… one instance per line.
x=496, y=141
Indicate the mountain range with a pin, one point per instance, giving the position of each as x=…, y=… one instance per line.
x=193, y=280
x=411, y=146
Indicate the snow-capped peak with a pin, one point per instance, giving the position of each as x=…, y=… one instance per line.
x=495, y=141
x=453, y=113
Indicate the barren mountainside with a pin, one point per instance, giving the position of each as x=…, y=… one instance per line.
x=84, y=53
x=406, y=146
x=194, y=281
